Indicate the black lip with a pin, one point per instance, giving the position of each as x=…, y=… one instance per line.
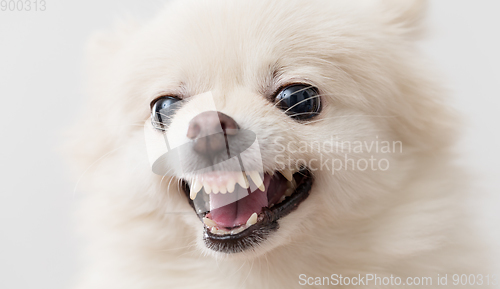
x=267, y=221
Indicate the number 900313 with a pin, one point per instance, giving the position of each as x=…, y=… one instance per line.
x=472, y=279
x=23, y=5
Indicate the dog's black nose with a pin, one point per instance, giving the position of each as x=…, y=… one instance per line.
x=209, y=131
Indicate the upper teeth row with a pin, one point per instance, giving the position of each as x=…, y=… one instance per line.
x=240, y=178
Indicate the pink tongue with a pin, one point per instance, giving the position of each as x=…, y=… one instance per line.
x=234, y=209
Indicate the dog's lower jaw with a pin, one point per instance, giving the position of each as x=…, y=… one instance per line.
x=250, y=236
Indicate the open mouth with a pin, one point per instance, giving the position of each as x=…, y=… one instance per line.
x=240, y=209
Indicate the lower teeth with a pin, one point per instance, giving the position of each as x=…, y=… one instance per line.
x=212, y=225
x=217, y=231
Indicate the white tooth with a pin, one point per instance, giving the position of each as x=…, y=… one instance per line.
x=238, y=230
x=230, y=186
x=288, y=192
x=252, y=220
x=282, y=199
x=291, y=184
x=209, y=222
x=215, y=190
x=223, y=190
x=257, y=180
x=287, y=174
x=242, y=180
x=195, y=188
x=216, y=231
x=207, y=188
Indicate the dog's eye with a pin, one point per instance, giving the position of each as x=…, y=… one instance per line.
x=299, y=101
x=162, y=111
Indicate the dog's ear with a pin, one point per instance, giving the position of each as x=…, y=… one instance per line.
x=405, y=17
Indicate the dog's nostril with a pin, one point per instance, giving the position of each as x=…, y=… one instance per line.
x=209, y=131
x=194, y=130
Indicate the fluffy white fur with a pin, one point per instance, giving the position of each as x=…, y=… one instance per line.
x=407, y=221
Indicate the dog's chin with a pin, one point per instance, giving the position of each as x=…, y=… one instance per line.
x=242, y=225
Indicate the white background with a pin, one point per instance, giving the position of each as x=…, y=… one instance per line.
x=41, y=94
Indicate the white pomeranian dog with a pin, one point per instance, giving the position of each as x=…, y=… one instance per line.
x=271, y=144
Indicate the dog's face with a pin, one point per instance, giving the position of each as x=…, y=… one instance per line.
x=246, y=105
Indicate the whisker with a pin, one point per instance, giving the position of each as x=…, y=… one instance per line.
x=165, y=176
x=249, y=271
x=300, y=90
x=95, y=162
x=316, y=96
x=192, y=244
x=340, y=116
x=116, y=125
